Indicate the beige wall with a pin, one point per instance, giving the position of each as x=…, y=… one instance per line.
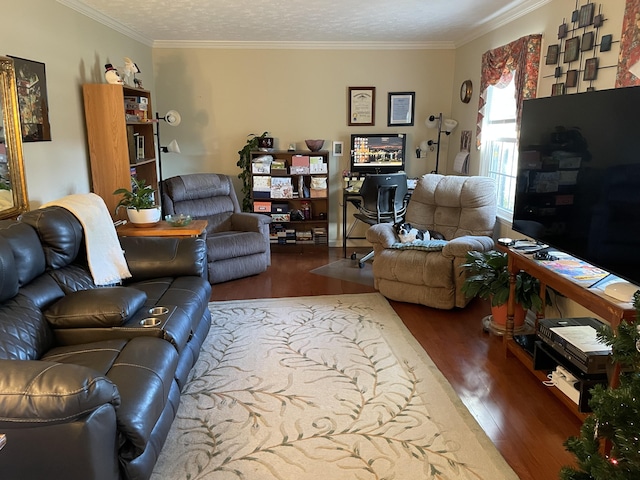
x=74, y=50
x=224, y=95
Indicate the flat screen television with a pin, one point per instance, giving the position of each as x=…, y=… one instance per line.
x=578, y=178
x=377, y=153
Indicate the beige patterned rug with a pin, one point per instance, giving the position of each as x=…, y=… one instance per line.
x=329, y=387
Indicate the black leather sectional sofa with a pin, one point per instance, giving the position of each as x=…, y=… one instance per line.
x=87, y=390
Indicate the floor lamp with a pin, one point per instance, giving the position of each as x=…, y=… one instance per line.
x=445, y=126
x=171, y=118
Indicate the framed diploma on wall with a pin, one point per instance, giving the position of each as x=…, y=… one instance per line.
x=362, y=105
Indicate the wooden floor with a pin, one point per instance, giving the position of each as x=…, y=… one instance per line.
x=526, y=422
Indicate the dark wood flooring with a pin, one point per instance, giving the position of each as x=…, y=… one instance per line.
x=526, y=422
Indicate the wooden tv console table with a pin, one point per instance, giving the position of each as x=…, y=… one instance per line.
x=592, y=298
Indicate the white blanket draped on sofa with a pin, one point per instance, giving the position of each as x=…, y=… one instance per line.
x=104, y=253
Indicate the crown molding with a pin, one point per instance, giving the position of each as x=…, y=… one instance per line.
x=210, y=44
x=496, y=21
x=106, y=21
x=501, y=19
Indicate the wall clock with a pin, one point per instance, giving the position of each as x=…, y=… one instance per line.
x=466, y=89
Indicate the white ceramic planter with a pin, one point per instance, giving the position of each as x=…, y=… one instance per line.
x=144, y=218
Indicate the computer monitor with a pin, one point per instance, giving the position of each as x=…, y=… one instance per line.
x=377, y=153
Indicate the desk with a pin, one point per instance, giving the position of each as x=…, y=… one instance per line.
x=163, y=229
x=348, y=196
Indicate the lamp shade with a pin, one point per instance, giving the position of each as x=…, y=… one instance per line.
x=431, y=121
x=450, y=125
x=172, y=147
x=173, y=118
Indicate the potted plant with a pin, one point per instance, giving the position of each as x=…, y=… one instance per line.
x=142, y=209
x=244, y=162
x=489, y=279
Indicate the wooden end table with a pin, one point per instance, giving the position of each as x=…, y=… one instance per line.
x=163, y=229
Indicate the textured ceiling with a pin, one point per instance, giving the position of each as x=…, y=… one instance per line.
x=419, y=23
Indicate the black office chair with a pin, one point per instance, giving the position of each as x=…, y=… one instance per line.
x=383, y=201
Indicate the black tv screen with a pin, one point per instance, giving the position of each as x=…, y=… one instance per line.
x=377, y=153
x=578, y=179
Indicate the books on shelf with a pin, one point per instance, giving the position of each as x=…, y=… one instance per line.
x=262, y=183
x=281, y=187
x=320, y=236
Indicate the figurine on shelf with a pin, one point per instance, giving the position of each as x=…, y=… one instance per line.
x=130, y=69
x=111, y=75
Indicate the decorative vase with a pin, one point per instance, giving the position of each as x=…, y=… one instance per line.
x=146, y=217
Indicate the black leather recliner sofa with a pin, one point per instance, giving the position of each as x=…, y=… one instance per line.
x=86, y=390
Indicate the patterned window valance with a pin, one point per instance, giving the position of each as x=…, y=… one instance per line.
x=521, y=56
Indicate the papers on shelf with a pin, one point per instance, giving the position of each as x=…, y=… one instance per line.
x=582, y=337
x=461, y=162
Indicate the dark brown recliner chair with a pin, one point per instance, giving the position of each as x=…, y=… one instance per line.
x=237, y=242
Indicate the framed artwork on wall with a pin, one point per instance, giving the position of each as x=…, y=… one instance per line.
x=591, y=69
x=572, y=78
x=31, y=83
x=401, y=107
x=587, y=41
x=562, y=30
x=571, y=49
x=557, y=89
x=586, y=15
x=362, y=106
x=552, y=54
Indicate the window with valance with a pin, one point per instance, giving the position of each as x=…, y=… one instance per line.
x=520, y=58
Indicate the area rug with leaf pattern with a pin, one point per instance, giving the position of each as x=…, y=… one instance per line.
x=326, y=387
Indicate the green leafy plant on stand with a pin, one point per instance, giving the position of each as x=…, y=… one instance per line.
x=489, y=279
x=244, y=162
x=141, y=196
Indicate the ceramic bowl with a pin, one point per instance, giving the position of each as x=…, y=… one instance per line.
x=179, y=220
x=314, y=145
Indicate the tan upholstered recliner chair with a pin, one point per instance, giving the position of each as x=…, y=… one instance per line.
x=463, y=209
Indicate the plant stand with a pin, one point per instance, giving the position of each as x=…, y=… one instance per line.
x=490, y=326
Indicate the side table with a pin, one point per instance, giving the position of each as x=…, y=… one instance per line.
x=163, y=229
